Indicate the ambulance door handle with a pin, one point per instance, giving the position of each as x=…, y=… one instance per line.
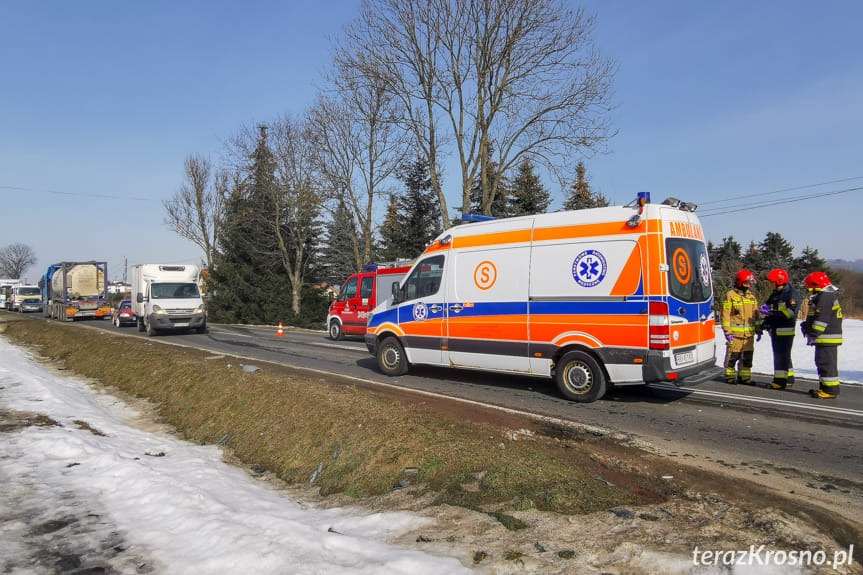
x=681, y=310
x=435, y=308
x=456, y=307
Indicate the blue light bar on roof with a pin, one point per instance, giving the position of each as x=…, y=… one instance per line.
x=476, y=218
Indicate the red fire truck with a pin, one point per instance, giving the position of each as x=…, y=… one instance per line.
x=360, y=294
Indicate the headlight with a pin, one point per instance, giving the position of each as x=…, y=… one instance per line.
x=159, y=310
x=199, y=310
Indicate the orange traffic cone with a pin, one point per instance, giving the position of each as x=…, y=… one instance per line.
x=281, y=332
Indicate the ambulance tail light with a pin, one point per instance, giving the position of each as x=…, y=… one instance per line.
x=658, y=332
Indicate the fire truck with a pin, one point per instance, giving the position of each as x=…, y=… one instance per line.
x=360, y=294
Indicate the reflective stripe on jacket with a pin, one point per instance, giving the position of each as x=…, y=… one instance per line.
x=782, y=319
x=824, y=320
x=740, y=315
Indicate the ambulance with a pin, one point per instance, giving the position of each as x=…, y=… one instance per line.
x=593, y=298
x=360, y=294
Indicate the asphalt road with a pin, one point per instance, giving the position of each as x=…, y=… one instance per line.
x=755, y=429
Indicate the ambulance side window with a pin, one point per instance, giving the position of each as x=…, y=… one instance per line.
x=366, y=287
x=424, y=280
x=349, y=291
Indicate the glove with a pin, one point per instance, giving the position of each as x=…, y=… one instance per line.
x=765, y=309
x=729, y=337
x=810, y=341
x=758, y=336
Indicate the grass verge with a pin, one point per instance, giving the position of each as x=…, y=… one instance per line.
x=349, y=439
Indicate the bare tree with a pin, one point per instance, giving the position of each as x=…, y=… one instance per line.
x=519, y=77
x=15, y=259
x=195, y=209
x=359, y=144
x=296, y=200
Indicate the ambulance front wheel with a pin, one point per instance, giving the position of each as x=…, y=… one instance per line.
x=391, y=357
x=579, y=377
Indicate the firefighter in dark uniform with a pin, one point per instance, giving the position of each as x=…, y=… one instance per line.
x=780, y=320
x=741, y=321
x=823, y=329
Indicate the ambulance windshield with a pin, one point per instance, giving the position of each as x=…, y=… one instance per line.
x=688, y=270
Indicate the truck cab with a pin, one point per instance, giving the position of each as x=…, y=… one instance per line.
x=360, y=294
x=22, y=293
x=168, y=298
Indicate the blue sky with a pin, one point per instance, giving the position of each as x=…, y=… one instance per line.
x=101, y=102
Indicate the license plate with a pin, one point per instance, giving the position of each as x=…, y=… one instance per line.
x=686, y=357
x=182, y=324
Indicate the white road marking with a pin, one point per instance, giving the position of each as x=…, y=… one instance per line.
x=771, y=401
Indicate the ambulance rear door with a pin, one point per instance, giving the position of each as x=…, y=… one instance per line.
x=690, y=291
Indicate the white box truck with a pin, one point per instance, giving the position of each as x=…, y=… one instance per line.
x=168, y=298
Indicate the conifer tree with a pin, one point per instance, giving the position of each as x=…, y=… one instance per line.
x=580, y=196
x=249, y=285
x=808, y=262
x=339, y=253
x=528, y=194
x=392, y=232
x=418, y=211
x=725, y=261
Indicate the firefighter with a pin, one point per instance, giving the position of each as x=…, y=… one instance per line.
x=823, y=329
x=780, y=320
x=741, y=321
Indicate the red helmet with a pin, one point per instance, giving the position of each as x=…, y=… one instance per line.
x=817, y=280
x=779, y=277
x=744, y=276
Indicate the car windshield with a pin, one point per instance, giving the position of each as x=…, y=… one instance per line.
x=29, y=291
x=126, y=305
x=174, y=291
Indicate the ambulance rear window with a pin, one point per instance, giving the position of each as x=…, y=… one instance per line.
x=688, y=270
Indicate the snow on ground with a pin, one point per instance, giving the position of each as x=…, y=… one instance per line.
x=169, y=502
x=803, y=356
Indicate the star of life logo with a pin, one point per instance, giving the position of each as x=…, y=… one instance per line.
x=421, y=312
x=589, y=268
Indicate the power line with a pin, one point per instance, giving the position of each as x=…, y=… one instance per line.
x=59, y=193
x=782, y=191
x=755, y=205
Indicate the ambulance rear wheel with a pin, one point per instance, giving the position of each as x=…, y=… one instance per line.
x=335, y=330
x=391, y=357
x=579, y=377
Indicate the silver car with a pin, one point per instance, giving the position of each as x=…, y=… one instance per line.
x=31, y=305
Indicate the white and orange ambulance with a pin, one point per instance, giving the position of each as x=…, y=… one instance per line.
x=605, y=296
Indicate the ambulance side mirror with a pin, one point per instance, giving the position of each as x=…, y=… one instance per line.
x=395, y=292
x=140, y=298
